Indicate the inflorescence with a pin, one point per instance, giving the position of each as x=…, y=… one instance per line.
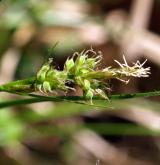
x=82, y=70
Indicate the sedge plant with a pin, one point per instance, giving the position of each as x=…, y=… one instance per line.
x=82, y=69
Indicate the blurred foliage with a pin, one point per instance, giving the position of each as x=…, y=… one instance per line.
x=11, y=128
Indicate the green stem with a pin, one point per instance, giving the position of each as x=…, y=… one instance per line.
x=112, y=97
x=74, y=99
x=26, y=85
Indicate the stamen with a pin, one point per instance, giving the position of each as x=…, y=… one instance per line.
x=126, y=64
x=119, y=63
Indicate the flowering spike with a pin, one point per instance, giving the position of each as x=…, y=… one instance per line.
x=82, y=70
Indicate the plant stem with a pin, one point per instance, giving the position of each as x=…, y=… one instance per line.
x=26, y=85
x=74, y=99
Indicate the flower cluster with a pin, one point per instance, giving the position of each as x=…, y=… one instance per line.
x=82, y=70
x=48, y=78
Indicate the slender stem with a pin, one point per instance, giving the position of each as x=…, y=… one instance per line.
x=26, y=85
x=112, y=97
x=136, y=95
x=74, y=99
